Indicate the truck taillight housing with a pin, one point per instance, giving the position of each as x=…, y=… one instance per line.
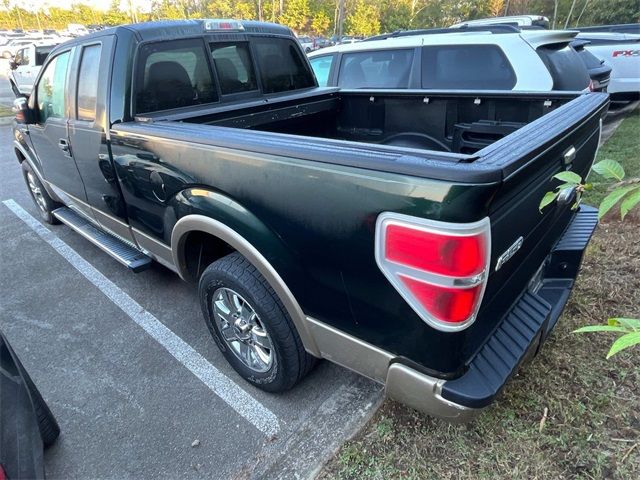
x=439, y=268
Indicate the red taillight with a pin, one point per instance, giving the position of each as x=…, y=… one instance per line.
x=434, y=252
x=439, y=268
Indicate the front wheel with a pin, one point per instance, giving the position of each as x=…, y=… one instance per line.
x=251, y=326
x=46, y=205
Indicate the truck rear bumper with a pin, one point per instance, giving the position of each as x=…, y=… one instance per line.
x=518, y=337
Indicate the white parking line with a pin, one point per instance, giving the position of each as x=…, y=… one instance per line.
x=243, y=403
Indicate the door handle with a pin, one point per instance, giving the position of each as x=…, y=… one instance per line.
x=64, y=146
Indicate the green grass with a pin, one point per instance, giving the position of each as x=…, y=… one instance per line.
x=5, y=111
x=623, y=147
x=592, y=425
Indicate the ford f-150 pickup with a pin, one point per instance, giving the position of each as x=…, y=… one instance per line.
x=396, y=233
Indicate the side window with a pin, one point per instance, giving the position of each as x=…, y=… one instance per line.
x=41, y=54
x=173, y=74
x=321, y=67
x=88, y=83
x=376, y=69
x=25, y=56
x=50, y=93
x=282, y=67
x=234, y=67
x=466, y=67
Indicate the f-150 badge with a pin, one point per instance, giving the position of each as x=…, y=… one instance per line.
x=510, y=252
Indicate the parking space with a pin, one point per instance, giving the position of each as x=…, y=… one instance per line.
x=130, y=370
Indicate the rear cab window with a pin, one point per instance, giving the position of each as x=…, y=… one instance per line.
x=565, y=66
x=466, y=67
x=282, y=67
x=173, y=74
x=234, y=67
x=376, y=69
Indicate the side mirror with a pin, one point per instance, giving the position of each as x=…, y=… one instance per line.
x=7, y=54
x=13, y=65
x=23, y=113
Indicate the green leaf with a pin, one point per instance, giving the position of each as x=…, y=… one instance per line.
x=614, y=197
x=569, y=177
x=630, y=202
x=609, y=169
x=625, y=341
x=562, y=186
x=630, y=323
x=600, y=328
x=548, y=198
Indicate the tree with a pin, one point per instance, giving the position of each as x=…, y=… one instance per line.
x=296, y=15
x=495, y=7
x=363, y=20
x=320, y=23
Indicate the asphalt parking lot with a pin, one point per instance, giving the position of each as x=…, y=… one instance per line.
x=128, y=367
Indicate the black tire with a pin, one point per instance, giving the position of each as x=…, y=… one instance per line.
x=291, y=362
x=47, y=423
x=44, y=203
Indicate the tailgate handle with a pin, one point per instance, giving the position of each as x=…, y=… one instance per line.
x=569, y=155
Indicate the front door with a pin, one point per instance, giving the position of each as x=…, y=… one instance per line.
x=50, y=135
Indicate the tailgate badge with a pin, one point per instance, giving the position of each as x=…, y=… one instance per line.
x=569, y=156
x=510, y=252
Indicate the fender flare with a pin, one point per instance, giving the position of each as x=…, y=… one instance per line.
x=202, y=223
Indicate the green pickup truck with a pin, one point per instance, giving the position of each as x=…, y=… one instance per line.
x=396, y=233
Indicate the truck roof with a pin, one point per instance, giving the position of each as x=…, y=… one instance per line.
x=170, y=29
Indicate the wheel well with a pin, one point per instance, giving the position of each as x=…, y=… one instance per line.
x=201, y=249
x=20, y=155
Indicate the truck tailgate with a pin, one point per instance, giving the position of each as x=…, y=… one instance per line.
x=565, y=139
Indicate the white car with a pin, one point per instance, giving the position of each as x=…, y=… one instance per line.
x=9, y=50
x=26, y=65
x=621, y=51
x=450, y=59
x=307, y=44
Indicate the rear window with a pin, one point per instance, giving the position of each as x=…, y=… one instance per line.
x=466, y=67
x=234, y=67
x=282, y=67
x=173, y=74
x=564, y=65
x=376, y=69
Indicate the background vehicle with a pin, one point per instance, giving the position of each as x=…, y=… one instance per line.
x=515, y=20
x=633, y=28
x=505, y=59
x=76, y=30
x=25, y=66
x=621, y=51
x=599, y=72
x=26, y=422
x=307, y=44
x=395, y=232
x=11, y=48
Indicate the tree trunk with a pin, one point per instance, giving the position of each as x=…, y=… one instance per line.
x=555, y=14
x=586, y=2
x=573, y=4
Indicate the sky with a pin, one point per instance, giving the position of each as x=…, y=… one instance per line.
x=143, y=5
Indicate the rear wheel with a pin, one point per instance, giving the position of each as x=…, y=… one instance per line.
x=251, y=326
x=46, y=205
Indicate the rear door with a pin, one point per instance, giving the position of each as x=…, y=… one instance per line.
x=49, y=135
x=87, y=134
